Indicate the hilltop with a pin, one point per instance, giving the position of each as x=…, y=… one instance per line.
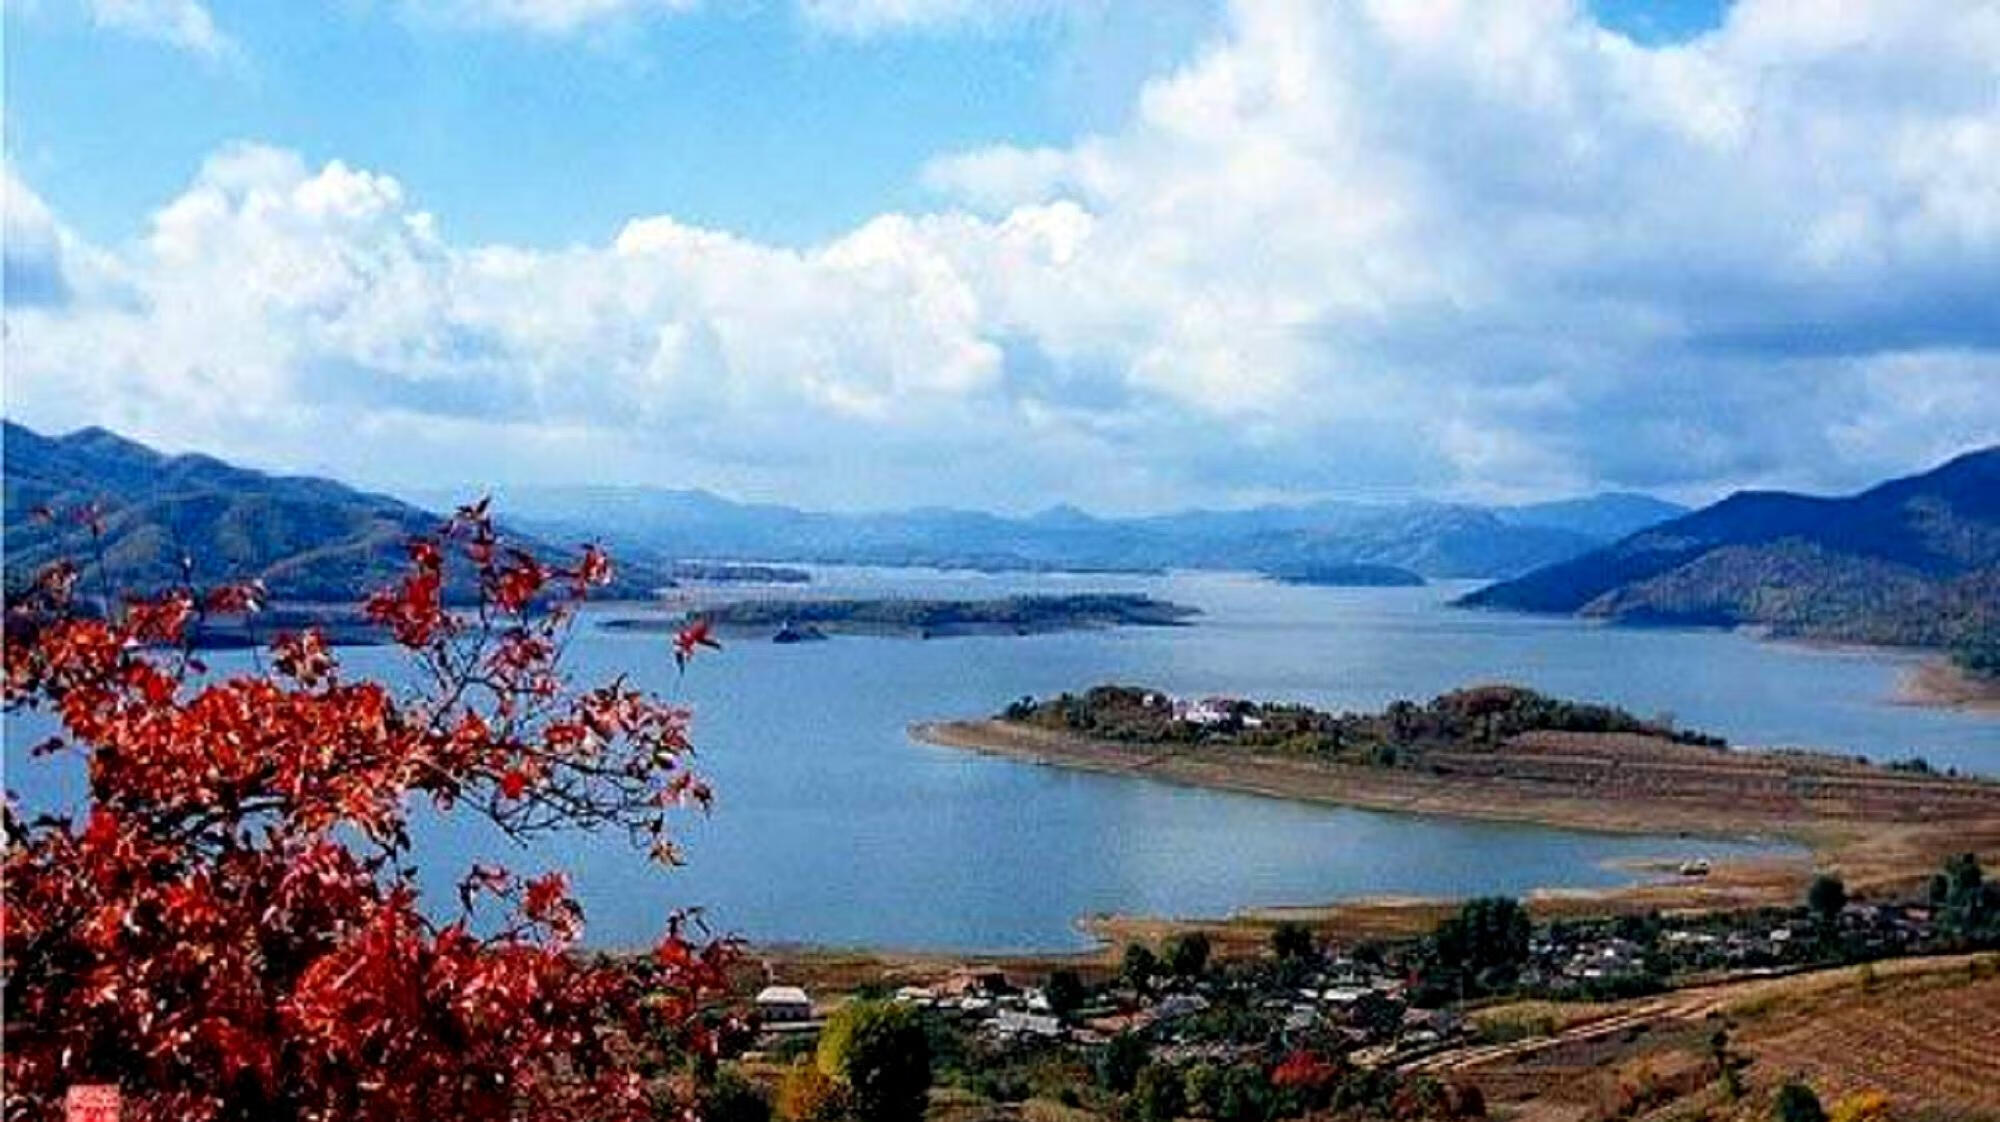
x=308, y=539
x=1914, y=561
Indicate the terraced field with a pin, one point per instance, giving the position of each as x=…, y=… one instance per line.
x=1934, y=1048
x=1923, y=1032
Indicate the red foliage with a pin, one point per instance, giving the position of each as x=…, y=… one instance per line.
x=1304, y=1071
x=231, y=929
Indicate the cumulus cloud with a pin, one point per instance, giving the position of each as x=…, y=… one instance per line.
x=181, y=23
x=1452, y=248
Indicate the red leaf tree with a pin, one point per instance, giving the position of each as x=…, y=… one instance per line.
x=231, y=928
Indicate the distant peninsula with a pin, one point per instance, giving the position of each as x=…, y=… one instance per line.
x=1354, y=575
x=791, y=620
x=735, y=572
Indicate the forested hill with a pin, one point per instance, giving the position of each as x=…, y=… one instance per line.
x=1913, y=561
x=308, y=539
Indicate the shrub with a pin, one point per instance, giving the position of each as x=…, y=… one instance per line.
x=732, y=1098
x=1119, y=1064
x=1158, y=1095
x=880, y=1052
x=1797, y=1103
x=807, y=1094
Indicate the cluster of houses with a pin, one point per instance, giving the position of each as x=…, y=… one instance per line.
x=1581, y=956
x=1341, y=999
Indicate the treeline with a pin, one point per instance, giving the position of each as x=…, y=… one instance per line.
x=1980, y=654
x=1396, y=736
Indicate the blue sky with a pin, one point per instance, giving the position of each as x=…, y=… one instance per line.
x=748, y=118
x=872, y=252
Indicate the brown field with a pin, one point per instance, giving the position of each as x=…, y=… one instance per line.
x=1923, y=1032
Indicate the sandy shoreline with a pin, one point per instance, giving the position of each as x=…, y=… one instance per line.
x=1937, y=683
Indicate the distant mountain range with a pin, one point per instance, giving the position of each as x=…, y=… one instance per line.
x=308, y=539
x=1913, y=561
x=1432, y=539
x=313, y=539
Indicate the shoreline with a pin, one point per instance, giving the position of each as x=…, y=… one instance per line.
x=1874, y=852
x=1938, y=683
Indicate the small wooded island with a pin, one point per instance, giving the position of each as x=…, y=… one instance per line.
x=1352, y=575
x=792, y=620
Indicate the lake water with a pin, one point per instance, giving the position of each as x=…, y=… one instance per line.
x=832, y=826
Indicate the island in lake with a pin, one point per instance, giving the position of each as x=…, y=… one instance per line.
x=796, y=620
x=1352, y=575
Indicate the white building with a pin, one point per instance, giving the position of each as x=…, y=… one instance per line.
x=784, y=1003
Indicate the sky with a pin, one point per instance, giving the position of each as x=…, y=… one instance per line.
x=1009, y=253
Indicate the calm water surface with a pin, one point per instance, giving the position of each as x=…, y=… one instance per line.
x=832, y=826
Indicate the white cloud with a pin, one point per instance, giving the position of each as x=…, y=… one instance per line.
x=181, y=23
x=1467, y=248
x=546, y=17
x=861, y=18
x=851, y=18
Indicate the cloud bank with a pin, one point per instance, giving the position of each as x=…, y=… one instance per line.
x=1467, y=249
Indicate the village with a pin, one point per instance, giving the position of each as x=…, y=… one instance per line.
x=1384, y=1006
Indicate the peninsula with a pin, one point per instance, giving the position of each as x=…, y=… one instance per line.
x=1511, y=754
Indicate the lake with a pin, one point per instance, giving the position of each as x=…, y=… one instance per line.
x=831, y=826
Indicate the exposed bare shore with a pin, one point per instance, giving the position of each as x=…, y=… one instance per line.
x=1937, y=682
x=1881, y=830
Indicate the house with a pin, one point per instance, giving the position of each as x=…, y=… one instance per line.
x=1207, y=711
x=975, y=983
x=1180, y=1005
x=777, y=1004
x=1012, y=1022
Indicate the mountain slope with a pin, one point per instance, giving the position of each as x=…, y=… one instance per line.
x=308, y=539
x=1435, y=539
x=1914, y=560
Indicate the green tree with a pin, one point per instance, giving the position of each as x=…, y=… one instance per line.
x=1119, y=1064
x=1158, y=1095
x=880, y=1051
x=1140, y=965
x=1187, y=955
x=1826, y=899
x=1967, y=904
x=1489, y=934
x=1065, y=992
x=1291, y=941
x=1797, y=1103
